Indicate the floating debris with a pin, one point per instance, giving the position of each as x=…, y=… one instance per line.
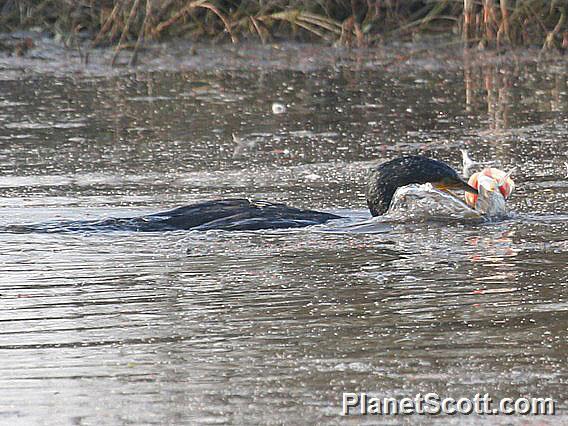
x=243, y=147
x=278, y=108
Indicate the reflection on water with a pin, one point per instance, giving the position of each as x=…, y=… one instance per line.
x=218, y=327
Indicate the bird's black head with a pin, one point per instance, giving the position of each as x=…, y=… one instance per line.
x=387, y=177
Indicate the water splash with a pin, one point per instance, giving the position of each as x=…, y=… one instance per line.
x=424, y=202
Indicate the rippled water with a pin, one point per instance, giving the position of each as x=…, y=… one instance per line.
x=271, y=327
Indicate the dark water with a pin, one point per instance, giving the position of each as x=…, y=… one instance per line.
x=272, y=327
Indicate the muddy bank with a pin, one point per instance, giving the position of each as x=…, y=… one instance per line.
x=41, y=54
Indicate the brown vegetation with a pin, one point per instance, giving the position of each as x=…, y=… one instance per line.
x=127, y=23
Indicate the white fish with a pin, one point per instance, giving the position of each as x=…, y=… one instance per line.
x=490, y=200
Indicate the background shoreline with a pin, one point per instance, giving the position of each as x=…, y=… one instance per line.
x=132, y=24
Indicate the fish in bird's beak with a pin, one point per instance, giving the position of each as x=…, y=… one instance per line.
x=490, y=200
x=497, y=179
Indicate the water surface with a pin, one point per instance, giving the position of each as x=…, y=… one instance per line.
x=271, y=327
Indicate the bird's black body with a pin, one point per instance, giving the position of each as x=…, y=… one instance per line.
x=242, y=214
x=229, y=215
x=385, y=178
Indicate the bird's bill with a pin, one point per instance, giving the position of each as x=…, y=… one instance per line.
x=458, y=184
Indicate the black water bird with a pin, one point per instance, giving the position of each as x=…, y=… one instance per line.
x=242, y=214
x=386, y=178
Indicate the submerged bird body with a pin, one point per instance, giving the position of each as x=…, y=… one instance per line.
x=238, y=215
x=228, y=214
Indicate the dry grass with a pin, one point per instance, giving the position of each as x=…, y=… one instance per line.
x=128, y=23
